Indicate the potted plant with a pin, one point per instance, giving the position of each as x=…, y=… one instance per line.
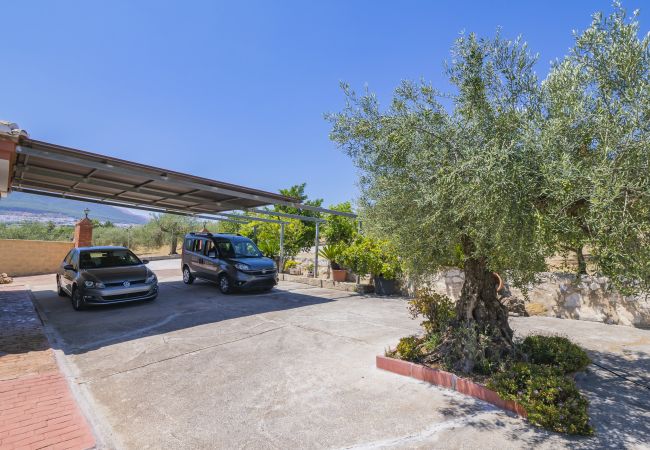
x=377, y=258
x=310, y=269
x=333, y=253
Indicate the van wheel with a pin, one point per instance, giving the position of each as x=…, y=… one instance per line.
x=225, y=286
x=59, y=290
x=78, y=302
x=188, y=278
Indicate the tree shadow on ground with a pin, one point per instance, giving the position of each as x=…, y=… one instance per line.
x=619, y=408
x=177, y=307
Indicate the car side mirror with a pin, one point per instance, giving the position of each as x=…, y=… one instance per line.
x=68, y=267
x=145, y=261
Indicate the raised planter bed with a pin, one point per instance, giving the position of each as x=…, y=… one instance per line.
x=318, y=282
x=450, y=381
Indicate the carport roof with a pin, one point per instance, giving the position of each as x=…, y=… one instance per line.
x=49, y=169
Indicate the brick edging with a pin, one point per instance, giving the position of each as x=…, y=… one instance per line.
x=39, y=409
x=450, y=381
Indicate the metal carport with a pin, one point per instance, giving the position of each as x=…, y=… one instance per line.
x=43, y=168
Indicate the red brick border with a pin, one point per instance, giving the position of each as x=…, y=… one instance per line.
x=37, y=408
x=450, y=381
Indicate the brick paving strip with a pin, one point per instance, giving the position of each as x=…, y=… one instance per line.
x=37, y=409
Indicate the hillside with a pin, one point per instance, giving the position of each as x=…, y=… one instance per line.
x=19, y=206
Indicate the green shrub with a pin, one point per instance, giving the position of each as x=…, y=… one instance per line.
x=550, y=398
x=556, y=351
x=374, y=257
x=408, y=348
x=290, y=264
x=431, y=342
x=437, y=309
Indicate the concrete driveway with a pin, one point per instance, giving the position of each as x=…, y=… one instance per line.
x=295, y=368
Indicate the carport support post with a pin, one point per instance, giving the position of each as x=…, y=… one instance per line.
x=316, y=252
x=360, y=230
x=281, y=268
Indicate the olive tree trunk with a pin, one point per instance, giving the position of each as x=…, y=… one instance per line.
x=582, y=262
x=173, y=243
x=481, y=331
x=478, y=302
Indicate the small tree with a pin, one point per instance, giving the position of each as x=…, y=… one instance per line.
x=461, y=187
x=340, y=229
x=305, y=234
x=268, y=236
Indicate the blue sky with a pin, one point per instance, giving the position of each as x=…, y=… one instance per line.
x=236, y=91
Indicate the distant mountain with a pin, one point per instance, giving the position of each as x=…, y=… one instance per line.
x=18, y=206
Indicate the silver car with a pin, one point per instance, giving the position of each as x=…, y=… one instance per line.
x=105, y=275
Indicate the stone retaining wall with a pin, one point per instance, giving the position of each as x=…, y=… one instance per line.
x=567, y=296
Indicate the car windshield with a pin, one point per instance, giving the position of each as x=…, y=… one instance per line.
x=99, y=259
x=240, y=248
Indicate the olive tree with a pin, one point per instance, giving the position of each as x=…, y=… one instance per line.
x=596, y=140
x=172, y=227
x=459, y=186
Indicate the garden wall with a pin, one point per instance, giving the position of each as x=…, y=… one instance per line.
x=567, y=296
x=24, y=257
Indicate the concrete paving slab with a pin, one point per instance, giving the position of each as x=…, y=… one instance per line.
x=295, y=368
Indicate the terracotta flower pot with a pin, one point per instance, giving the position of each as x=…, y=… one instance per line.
x=339, y=275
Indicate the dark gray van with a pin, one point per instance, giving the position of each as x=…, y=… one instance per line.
x=232, y=261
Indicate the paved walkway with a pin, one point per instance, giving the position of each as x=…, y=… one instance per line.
x=295, y=368
x=37, y=409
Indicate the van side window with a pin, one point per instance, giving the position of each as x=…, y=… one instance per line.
x=188, y=244
x=225, y=249
x=199, y=244
x=68, y=258
x=210, y=250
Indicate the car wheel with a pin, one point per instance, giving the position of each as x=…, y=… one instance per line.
x=225, y=286
x=59, y=290
x=188, y=278
x=78, y=302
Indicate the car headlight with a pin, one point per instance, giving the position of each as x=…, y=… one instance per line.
x=151, y=279
x=93, y=284
x=242, y=266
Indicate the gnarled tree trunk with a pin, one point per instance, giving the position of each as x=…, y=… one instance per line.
x=481, y=329
x=478, y=302
x=173, y=243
